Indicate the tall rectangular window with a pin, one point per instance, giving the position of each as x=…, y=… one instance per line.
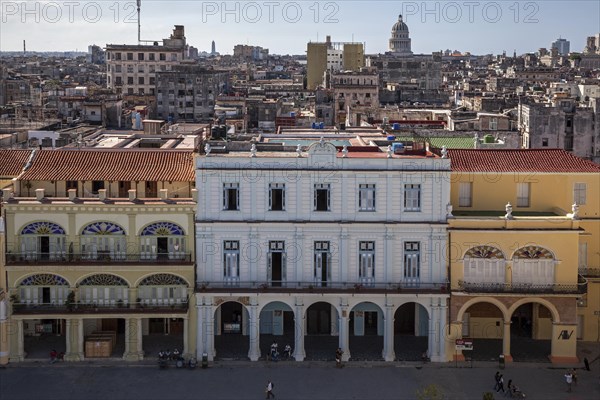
x=366, y=197
x=465, y=195
x=322, y=197
x=412, y=261
x=522, y=194
x=366, y=262
x=231, y=261
x=231, y=196
x=277, y=196
x=322, y=261
x=412, y=197
x=579, y=193
x=493, y=124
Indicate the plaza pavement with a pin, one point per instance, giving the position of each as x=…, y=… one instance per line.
x=225, y=380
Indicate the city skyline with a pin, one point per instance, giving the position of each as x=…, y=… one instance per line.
x=478, y=27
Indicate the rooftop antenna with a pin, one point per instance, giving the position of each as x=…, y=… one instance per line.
x=139, y=5
x=24, y=47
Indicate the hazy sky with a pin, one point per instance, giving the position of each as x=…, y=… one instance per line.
x=284, y=27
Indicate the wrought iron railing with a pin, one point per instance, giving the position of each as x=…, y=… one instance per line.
x=85, y=307
x=320, y=287
x=60, y=258
x=526, y=288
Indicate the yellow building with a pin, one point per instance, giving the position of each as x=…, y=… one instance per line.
x=94, y=270
x=331, y=56
x=523, y=222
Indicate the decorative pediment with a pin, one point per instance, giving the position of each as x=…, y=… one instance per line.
x=322, y=150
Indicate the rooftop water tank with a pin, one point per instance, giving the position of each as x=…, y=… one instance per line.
x=322, y=125
x=391, y=137
x=396, y=126
x=398, y=147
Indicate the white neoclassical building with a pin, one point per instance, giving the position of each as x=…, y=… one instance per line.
x=323, y=247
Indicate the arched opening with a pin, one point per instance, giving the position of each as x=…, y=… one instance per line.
x=484, y=323
x=322, y=331
x=232, y=339
x=366, y=332
x=531, y=333
x=103, y=241
x=276, y=325
x=163, y=241
x=162, y=293
x=411, y=332
x=42, y=241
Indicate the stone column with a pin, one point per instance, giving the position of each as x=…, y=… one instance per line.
x=432, y=326
x=344, y=338
x=506, y=342
x=186, y=351
x=20, y=341
x=254, y=350
x=299, y=352
x=68, y=338
x=139, y=339
x=4, y=329
x=388, y=334
x=564, y=343
x=441, y=345
x=81, y=339
x=130, y=340
x=209, y=322
x=200, y=333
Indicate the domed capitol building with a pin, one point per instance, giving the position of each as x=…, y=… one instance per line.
x=400, y=40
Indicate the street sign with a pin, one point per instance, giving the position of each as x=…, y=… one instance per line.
x=464, y=344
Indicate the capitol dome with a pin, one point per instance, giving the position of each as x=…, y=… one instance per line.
x=399, y=26
x=400, y=40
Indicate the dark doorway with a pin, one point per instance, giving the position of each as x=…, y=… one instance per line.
x=370, y=322
x=319, y=319
x=276, y=267
x=162, y=244
x=124, y=187
x=46, y=295
x=151, y=189
x=44, y=247
x=404, y=321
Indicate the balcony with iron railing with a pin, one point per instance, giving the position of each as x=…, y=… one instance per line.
x=590, y=272
x=234, y=286
x=37, y=258
x=524, y=288
x=118, y=307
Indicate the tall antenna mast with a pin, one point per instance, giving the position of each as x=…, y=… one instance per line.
x=139, y=5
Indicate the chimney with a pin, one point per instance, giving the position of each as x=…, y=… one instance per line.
x=72, y=194
x=132, y=194
x=163, y=194
x=39, y=194
x=102, y=194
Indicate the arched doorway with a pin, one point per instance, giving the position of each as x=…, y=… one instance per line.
x=276, y=324
x=531, y=333
x=232, y=339
x=484, y=323
x=322, y=331
x=366, y=332
x=411, y=332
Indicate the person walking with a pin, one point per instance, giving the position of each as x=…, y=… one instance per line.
x=569, y=380
x=338, y=357
x=500, y=384
x=497, y=380
x=270, y=390
x=509, y=388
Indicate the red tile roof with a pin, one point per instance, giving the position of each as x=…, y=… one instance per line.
x=12, y=162
x=518, y=160
x=111, y=165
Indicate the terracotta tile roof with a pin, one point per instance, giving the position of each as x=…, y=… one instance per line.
x=519, y=160
x=111, y=165
x=13, y=161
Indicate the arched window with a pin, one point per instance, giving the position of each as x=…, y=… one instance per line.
x=103, y=240
x=162, y=240
x=103, y=289
x=163, y=289
x=533, y=265
x=484, y=264
x=43, y=241
x=43, y=289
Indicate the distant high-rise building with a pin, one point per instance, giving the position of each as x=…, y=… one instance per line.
x=248, y=52
x=332, y=56
x=213, y=48
x=592, y=44
x=131, y=69
x=563, y=46
x=400, y=40
x=95, y=55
